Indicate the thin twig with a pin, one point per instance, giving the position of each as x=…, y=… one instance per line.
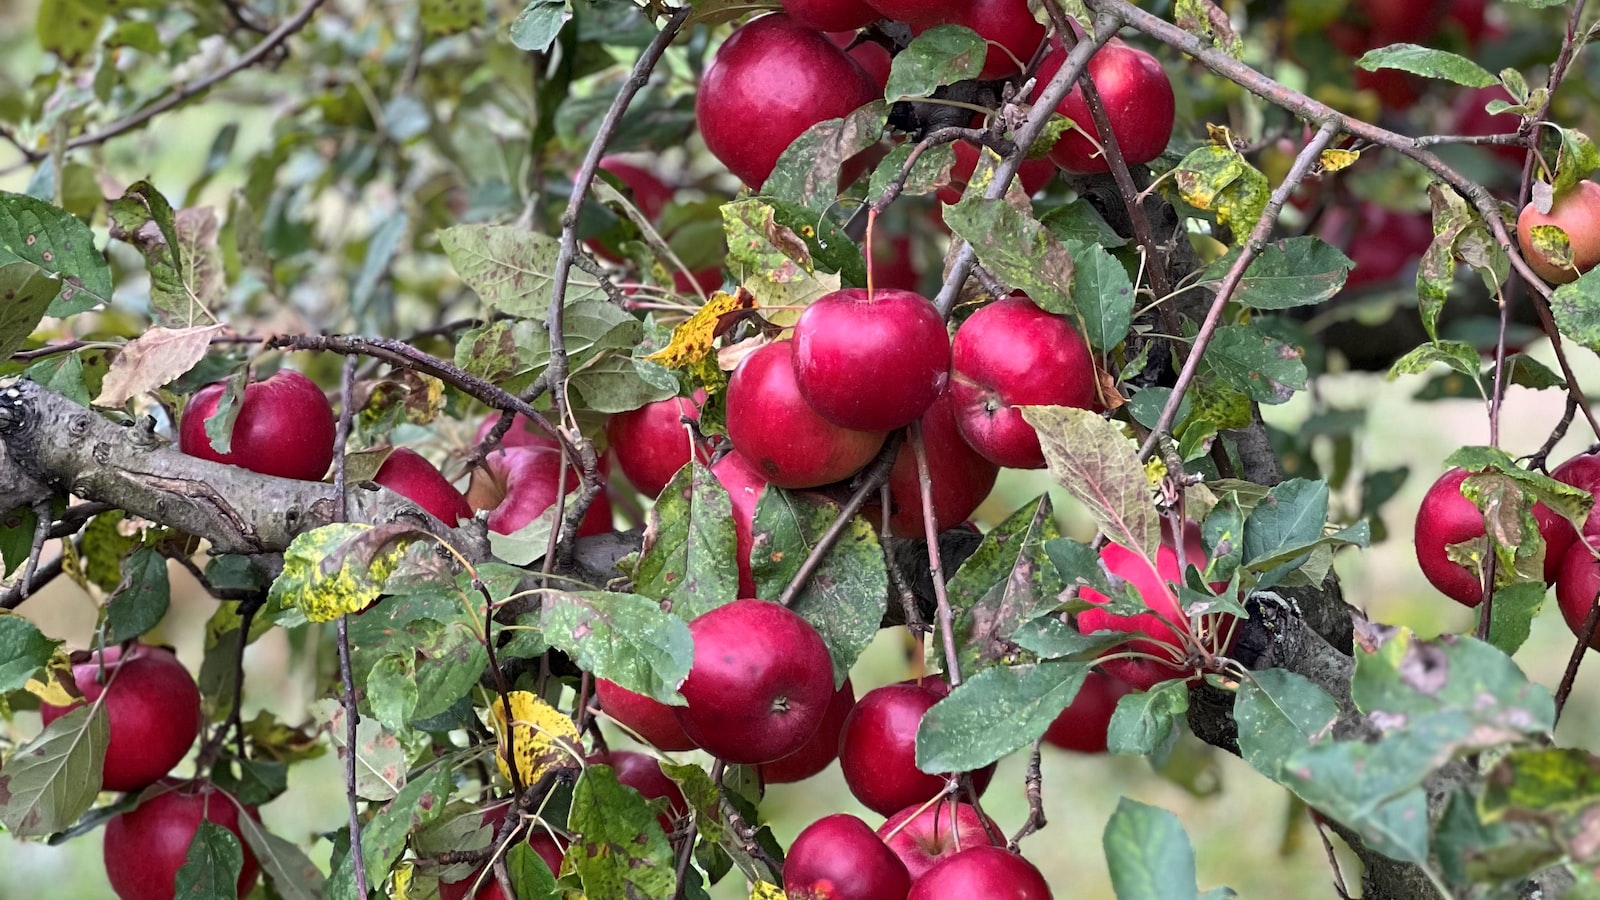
x=1033, y=789
x=875, y=475
x=1586, y=633
x=22, y=589
x=1333, y=857
x=930, y=530
x=41, y=533
x=347, y=681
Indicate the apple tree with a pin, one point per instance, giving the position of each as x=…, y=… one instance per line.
x=590, y=382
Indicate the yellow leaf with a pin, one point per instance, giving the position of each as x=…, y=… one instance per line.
x=337, y=569
x=400, y=887
x=1155, y=471
x=1335, y=159
x=59, y=674
x=692, y=340
x=763, y=890
x=542, y=736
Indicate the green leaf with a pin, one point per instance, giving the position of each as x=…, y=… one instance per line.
x=1512, y=612
x=530, y=874
x=1006, y=583
x=1279, y=712
x=1219, y=180
x=846, y=597
x=623, y=850
x=141, y=601
x=1460, y=357
x=1103, y=294
x=211, y=867
x=1149, y=854
x=831, y=249
x=1407, y=677
x=623, y=638
x=1371, y=788
x=1290, y=516
x=1255, y=363
x=383, y=837
x=1453, y=218
x=1080, y=222
x=1145, y=722
x=511, y=268
x=689, y=545
x=1576, y=157
x=380, y=760
x=1291, y=272
x=536, y=27
x=999, y=710
x=70, y=28
x=931, y=170
x=441, y=17
x=290, y=872
x=57, y=245
x=449, y=660
x=1428, y=63
x=773, y=260
x=1577, y=309
x=1096, y=461
x=23, y=651
x=392, y=691
x=1537, y=782
x=52, y=780
x=1017, y=249
x=807, y=172
x=338, y=569
x=944, y=54
x=25, y=294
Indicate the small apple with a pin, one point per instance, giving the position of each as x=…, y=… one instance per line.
x=871, y=362
x=411, y=476
x=782, y=75
x=146, y=846
x=1577, y=585
x=1165, y=628
x=642, y=772
x=878, y=749
x=838, y=857
x=285, y=427
x=520, y=483
x=993, y=873
x=774, y=427
x=1578, y=214
x=1033, y=174
x=1139, y=105
x=1012, y=353
x=759, y=685
x=926, y=833
x=152, y=708
x=1082, y=726
x=651, y=443
x=744, y=484
x=960, y=476
x=830, y=15
x=821, y=749
x=700, y=281
x=1446, y=517
x=648, y=718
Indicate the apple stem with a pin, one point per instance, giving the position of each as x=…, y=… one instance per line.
x=930, y=531
x=872, y=226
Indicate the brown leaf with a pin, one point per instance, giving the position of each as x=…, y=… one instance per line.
x=152, y=360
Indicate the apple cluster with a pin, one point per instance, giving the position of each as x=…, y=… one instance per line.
x=805, y=65
x=1447, y=518
x=153, y=715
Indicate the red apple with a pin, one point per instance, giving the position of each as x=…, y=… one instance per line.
x=1082, y=726
x=875, y=60
x=651, y=443
x=993, y=873
x=1577, y=584
x=1402, y=21
x=771, y=423
x=522, y=433
x=1033, y=174
x=411, y=476
x=1008, y=26
x=744, y=484
x=784, y=76
x=871, y=362
x=650, y=194
x=878, y=749
x=839, y=858
x=1164, y=627
x=520, y=483
x=648, y=718
x=759, y=685
x=643, y=773
x=1012, y=353
x=922, y=13
x=1139, y=104
x=1383, y=244
x=1578, y=214
x=924, y=834
x=821, y=749
x=285, y=427
x=488, y=888
x=146, y=846
x=152, y=707
x=1473, y=117
x=1446, y=517
x=830, y=15
x=960, y=476
x=700, y=281
x=1583, y=472
x=893, y=266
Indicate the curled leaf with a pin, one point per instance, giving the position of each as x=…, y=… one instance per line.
x=540, y=738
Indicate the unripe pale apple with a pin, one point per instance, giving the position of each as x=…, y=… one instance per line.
x=871, y=362
x=1012, y=353
x=146, y=846
x=759, y=685
x=782, y=75
x=285, y=427
x=773, y=426
x=1139, y=105
x=153, y=709
x=408, y=474
x=1578, y=214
